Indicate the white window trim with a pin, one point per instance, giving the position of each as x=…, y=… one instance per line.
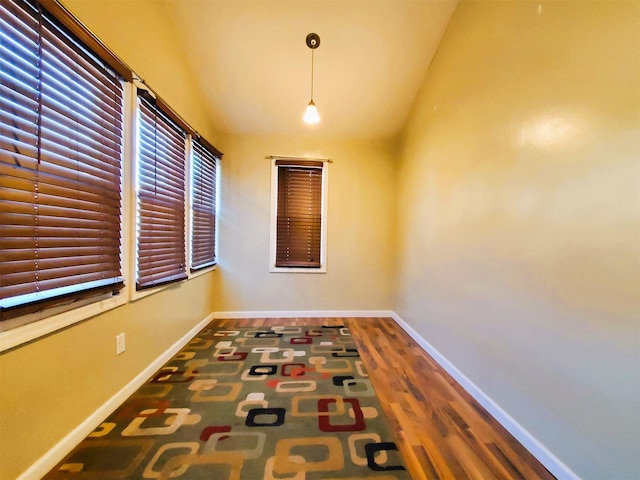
x=31, y=331
x=274, y=215
x=189, y=210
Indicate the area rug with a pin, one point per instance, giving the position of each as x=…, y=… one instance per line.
x=273, y=403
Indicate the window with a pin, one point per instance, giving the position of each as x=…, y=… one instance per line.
x=61, y=111
x=161, y=198
x=203, y=205
x=298, y=216
x=67, y=109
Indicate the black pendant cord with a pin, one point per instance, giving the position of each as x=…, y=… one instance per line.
x=313, y=42
x=312, y=75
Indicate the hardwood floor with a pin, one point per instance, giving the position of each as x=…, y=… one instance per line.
x=442, y=432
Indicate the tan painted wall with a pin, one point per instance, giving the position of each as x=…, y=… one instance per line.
x=360, y=220
x=140, y=32
x=53, y=384
x=520, y=191
x=48, y=387
x=519, y=216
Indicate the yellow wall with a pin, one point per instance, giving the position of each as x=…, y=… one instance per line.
x=53, y=384
x=519, y=188
x=49, y=386
x=360, y=221
x=141, y=34
x=516, y=203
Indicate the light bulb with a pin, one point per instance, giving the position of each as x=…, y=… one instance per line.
x=311, y=113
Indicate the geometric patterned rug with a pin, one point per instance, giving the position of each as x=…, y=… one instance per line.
x=273, y=403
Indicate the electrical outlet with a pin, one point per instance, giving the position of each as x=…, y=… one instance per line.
x=120, y=346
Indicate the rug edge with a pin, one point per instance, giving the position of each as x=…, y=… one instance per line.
x=57, y=453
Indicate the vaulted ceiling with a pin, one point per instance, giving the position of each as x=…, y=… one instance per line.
x=251, y=61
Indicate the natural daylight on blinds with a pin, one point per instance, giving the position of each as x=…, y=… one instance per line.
x=63, y=164
x=61, y=111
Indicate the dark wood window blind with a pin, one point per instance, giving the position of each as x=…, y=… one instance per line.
x=299, y=214
x=161, y=198
x=203, y=205
x=61, y=113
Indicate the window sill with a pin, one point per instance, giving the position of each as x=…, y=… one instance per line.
x=322, y=269
x=138, y=294
x=204, y=271
x=15, y=336
x=31, y=331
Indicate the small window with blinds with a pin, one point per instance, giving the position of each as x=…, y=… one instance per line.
x=298, y=230
x=161, y=249
x=203, y=205
x=61, y=112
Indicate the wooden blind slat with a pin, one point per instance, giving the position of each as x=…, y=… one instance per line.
x=18, y=181
x=9, y=255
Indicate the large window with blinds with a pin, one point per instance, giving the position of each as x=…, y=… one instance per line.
x=61, y=110
x=161, y=244
x=298, y=222
x=67, y=114
x=203, y=204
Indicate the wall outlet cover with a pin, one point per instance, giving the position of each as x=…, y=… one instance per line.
x=120, y=343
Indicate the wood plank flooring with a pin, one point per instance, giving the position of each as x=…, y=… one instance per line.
x=442, y=432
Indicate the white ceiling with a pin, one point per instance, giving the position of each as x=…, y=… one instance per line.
x=254, y=68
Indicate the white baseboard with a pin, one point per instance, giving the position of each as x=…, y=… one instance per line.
x=50, y=459
x=305, y=314
x=537, y=449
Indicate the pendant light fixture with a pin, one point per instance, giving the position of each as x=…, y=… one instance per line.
x=311, y=113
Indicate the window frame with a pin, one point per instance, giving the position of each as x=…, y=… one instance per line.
x=162, y=122
x=57, y=309
x=274, y=217
x=215, y=154
x=62, y=162
x=32, y=326
x=26, y=328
